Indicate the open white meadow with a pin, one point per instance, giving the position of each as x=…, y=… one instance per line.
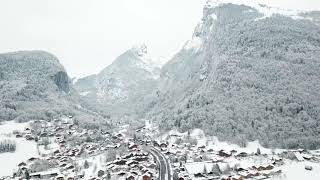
x=25, y=149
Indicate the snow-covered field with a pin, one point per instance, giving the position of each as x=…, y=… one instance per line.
x=293, y=170
x=25, y=149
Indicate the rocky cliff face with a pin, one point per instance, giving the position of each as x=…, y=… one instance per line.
x=249, y=72
x=62, y=81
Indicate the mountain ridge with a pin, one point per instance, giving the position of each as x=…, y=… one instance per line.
x=34, y=85
x=246, y=81
x=119, y=85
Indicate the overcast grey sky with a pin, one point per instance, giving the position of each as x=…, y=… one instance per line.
x=87, y=35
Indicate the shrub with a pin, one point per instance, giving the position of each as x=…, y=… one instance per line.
x=7, y=146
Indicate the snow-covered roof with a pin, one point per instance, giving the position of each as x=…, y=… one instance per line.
x=44, y=173
x=198, y=167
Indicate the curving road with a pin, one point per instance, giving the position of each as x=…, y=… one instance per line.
x=164, y=164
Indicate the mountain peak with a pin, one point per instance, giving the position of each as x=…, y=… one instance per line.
x=140, y=50
x=266, y=10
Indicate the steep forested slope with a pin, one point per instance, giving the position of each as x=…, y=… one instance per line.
x=34, y=85
x=245, y=75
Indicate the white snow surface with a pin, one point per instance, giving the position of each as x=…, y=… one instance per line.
x=267, y=11
x=195, y=43
x=148, y=63
x=25, y=149
x=84, y=93
x=293, y=170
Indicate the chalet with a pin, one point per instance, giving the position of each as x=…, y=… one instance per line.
x=60, y=177
x=69, y=166
x=121, y=173
x=199, y=175
x=237, y=177
x=134, y=173
x=132, y=163
x=253, y=173
x=261, y=177
x=62, y=165
x=70, y=177
x=131, y=177
x=22, y=164
x=224, y=153
x=233, y=151
x=32, y=159
x=146, y=176
x=295, y=155
x=132, y=146
x=163, y=145
x=152, y=165
x=93, y=178
x=210, y=150
x=44, y=134
x=56, y=152
x=309, y=168
x=271, y=172
x=276, y=159
x=119, y=135
x=307, y=156
x=100, y=173
x=217, y=159
x=120, y=162
x=242, y=154
x=156, y=143
x=58, y=129
x=62, y=141
x=130, y=155
x=134, y=166
x=263, y=167
x=29, y=137
x=45, y=174
x=23, y=168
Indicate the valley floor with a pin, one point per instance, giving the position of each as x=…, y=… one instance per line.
x=72, y=152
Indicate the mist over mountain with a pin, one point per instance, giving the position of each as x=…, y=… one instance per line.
x=119, y=87
x=246, y=74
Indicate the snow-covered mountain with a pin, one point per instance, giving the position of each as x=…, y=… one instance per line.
x=249, y=72
x=118, y=87
x=34, y=85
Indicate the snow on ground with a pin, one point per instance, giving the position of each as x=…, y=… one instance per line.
x=200, y=136
x=195, y=44
x=96, y=163
x=50, y=147
x=10, y=126
x=84, y=93
x=293, y=170
x=25, y=149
